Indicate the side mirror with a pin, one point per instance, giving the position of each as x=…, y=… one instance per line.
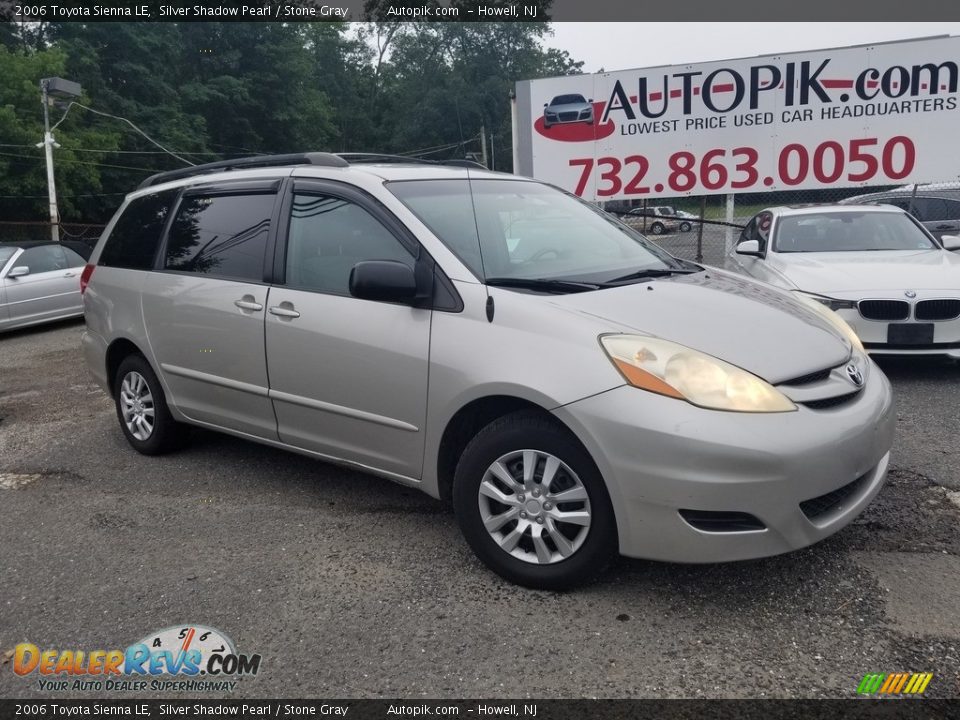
x=749, y=247
x=385, y=280
x=545, y=104
x=18, y=271
x=590, y=100
x=950, y=242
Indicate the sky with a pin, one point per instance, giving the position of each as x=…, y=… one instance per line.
x=622, y=46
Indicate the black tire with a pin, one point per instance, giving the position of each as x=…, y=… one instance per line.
x=685, y=227
x=167, y=434
x=527, y=430
x=657, y=228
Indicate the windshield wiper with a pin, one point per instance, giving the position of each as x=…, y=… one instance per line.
x=542, y=284
x=650, y=273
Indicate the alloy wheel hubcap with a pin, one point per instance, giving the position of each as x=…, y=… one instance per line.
x=136, y=405
x=534, y=507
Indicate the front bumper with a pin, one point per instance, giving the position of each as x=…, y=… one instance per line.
x=873, y=334
x=659, y=455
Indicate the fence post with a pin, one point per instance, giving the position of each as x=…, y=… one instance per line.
x=728, y=234
x=703, y=211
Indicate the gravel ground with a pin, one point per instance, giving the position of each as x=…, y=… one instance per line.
x=350, y=586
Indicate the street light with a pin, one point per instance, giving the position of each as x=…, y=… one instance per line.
x=54, y=88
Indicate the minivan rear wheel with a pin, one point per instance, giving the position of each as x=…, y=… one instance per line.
x=532, y=505
x=142, y=409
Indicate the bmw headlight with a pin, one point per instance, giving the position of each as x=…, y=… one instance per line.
x=677, y=371
x=825, y=307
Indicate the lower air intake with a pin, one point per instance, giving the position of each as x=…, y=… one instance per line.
x=833, y=501
x=721, y=522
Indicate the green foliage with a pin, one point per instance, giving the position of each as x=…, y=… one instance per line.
x=22, y=167
x=212, y=90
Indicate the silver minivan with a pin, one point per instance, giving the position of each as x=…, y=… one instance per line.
x=489, y=339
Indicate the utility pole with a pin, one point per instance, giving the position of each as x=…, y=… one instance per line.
x=483, y=145
x=48, y=145
x=63, y=89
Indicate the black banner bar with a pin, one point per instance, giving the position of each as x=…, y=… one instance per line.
x=518, y=709
x=475, y=11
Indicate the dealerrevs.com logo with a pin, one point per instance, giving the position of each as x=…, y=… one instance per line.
x=186, y=657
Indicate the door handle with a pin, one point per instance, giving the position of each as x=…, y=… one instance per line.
x=284, y=309
x=69, y=274
x=944, y=226
x=250, y=304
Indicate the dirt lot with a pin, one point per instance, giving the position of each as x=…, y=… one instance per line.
x=350, y=586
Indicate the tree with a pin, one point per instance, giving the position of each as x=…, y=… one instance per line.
x=444, y=81
x=23, y=182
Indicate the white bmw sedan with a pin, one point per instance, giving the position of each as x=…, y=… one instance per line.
x=876, y=266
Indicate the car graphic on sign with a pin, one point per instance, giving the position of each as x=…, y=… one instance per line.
x=564, y=109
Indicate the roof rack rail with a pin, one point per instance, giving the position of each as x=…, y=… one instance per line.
x=256, y=161
x=356, y=158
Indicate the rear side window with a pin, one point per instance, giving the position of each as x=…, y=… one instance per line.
x=221, y=235
x=953, y=210
x=931, y=209
x=133, y=242
x=73, y=259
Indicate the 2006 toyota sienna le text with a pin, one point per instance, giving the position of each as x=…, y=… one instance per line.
x=573, y=389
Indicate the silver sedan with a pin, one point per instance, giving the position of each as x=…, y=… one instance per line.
x=39, y=282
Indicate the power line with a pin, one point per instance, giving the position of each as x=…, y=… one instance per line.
x=84, y=162
x=122, y=119
x=139, y=152
x=37, y=197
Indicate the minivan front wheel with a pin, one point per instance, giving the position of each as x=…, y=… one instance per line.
x=532, y=505
x=142, y=409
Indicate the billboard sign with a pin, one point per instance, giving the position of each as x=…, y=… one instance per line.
x=868, y=115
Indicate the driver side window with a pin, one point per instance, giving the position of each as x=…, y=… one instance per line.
x=43, y=258
x=329, y=235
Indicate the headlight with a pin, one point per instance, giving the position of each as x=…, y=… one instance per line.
x=823, y=307
x=677, y=371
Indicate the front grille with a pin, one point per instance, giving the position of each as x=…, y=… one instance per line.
x=720, y=522
x=824, y=504
x=568, y=116
x=884, y=309
x=937, y=309
x=932, y=346
x=827, y=403
x=809, y=378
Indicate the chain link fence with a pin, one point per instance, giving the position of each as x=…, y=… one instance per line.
x=705, y=229
x=80, y=234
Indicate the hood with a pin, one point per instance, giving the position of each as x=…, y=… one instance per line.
x=749, y=324
x=876, y=271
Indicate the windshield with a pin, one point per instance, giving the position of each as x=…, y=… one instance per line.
x=849, y=232
x=567, y=100
x=525, y=230
x=5, y=254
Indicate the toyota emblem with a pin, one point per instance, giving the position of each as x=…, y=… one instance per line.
x=910, y=294
x=853, y=372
